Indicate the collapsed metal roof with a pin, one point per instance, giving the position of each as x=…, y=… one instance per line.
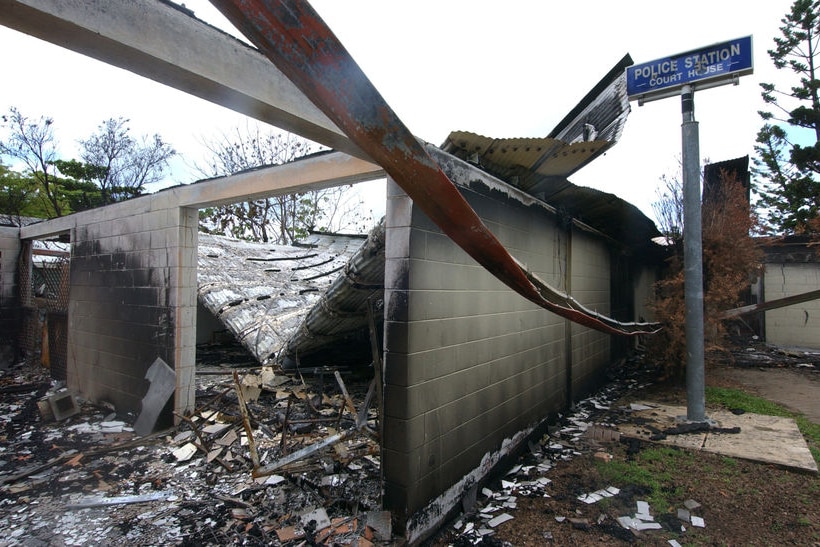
x=261, y=292
x=540, y=166
x=282, y=302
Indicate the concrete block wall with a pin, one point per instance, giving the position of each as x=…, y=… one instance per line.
x=132, y=299
x=797, y=325
x=590, y=285
x=9, y=304
x=469, y=364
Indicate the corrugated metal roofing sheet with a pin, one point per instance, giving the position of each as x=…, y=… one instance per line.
x=262, y=292
x=540, y=166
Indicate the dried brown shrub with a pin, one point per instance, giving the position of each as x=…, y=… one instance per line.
x=731, y=260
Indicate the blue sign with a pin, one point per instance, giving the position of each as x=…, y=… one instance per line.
x=705, y=67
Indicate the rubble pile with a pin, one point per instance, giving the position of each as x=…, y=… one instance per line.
x=754, y=352
x=88, y=479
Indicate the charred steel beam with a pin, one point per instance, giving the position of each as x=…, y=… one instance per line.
x=303, y=47
x=770, y=305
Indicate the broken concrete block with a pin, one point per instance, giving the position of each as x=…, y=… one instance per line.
x=381, y=523
x=63, y=405
x=163, y=383
x=691, y=504
x=603, y=456
x=683, y=515
x=45, y=410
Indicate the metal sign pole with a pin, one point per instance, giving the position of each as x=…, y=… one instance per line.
x=704, y=68
x=692, y=259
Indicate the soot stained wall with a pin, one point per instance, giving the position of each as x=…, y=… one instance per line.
x=468, y=362
x=133, y=278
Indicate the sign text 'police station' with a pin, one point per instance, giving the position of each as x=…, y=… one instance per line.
x=717, y=62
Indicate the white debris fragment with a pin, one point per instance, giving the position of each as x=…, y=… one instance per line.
x=643, y=507
x=698, y=521
x=503, y=517
x=589, y=498
x=625, y=522
x=184, y=452
x=319, y=515
x=274, y=479
x=639, y=406
x=674, y=543
x=641, y=525
x=215, y=429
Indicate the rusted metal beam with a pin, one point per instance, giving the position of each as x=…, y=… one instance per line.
x=770, y=305
x=293, y=36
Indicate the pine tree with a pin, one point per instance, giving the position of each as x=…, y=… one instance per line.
x=787, y=171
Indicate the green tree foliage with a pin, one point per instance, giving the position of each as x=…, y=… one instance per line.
x=115, y=167
x=32, y=143
x=16, y=195
x=278, y=219
x=787, y=171
x=124, y=164
x=78, y=189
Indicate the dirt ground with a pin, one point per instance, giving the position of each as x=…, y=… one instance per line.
x=741, y=502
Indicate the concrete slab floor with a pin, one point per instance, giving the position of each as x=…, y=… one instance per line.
x=767, y=439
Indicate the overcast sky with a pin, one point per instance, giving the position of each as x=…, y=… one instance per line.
x=500, y=69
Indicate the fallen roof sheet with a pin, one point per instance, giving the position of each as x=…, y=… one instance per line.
x=341, y=315
x=592, y=127
x=540, y=166
x=261, y=292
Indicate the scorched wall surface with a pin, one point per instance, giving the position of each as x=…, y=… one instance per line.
x=133, y=279
x=468, y=362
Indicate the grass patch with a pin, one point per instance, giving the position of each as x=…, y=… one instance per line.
x=653, y=469
x=734, y=398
